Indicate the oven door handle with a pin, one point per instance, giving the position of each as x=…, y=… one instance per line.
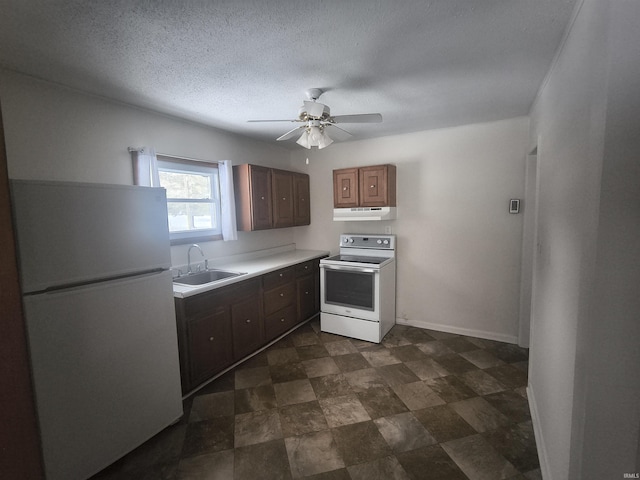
x=349, y=269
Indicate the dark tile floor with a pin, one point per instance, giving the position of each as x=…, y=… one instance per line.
x=421, y=405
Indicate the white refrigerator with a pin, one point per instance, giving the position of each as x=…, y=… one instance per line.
x=97, y=293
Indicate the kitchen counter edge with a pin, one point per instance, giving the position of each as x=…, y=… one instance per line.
x=253, y=268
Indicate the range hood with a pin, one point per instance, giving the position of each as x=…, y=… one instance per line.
x=364, y=214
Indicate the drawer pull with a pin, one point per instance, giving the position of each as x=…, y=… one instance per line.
x=281, y=275
x=261, y=198
x=284, y=198
x=248, y=320
x=306, y=293
x=211, y=339
x=344, y=189
x=372, y=186
x=282, y=319
x=282, y=294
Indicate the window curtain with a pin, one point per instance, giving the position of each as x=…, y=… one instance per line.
x=145, y=167
x=227, y=201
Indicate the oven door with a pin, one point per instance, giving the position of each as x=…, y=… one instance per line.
x=350, y=291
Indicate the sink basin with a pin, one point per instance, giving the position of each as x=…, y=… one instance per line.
x=208, y=276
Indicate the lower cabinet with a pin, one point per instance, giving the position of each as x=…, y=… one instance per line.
x=209, y=345
x=247, y=327
x=308, y=296
x=225, y=325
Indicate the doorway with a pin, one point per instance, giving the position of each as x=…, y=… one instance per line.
x=529, y=229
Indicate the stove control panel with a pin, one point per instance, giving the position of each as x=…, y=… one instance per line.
x=380, y=242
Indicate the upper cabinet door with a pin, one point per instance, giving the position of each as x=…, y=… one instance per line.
x=301, y=206
x=261, y=197
x=377, y=186
x=282, y=182
x=345, y=188
x=252, y=185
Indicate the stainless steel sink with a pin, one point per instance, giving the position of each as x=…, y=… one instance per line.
x=208, y=276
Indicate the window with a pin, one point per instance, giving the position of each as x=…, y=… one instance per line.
x=193, y=199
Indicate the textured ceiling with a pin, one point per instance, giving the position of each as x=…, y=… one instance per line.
x=421, y=64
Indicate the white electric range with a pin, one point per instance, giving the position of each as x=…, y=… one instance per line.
x=358, y=287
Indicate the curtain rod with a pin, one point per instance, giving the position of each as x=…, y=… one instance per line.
x=177, y=157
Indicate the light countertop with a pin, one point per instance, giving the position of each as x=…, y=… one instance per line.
x=252, y=264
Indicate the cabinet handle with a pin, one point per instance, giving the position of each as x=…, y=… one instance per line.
x=344, y=189
x=306, y=293
x=372, y=186
x=282, y=294
x=248, y=320
x=282, y=319
x=261, y=198
x=211, y=339
x=284, y=198
x=281, y=275
x=306, y=267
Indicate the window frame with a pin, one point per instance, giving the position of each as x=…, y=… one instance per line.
x=167, y=163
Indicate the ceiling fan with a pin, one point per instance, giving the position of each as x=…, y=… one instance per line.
x=317, y=122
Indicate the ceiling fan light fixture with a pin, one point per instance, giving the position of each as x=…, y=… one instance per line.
x=317, y=137
x=314, y=135
x=315, y=118
x=324, y=141
x=304, y=140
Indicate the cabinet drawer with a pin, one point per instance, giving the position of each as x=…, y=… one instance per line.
x=279, y=322
x=306, y=267
x=205, y=302
x=277, y=278
x=208, y=301
x=278, y=298
x=241, y=290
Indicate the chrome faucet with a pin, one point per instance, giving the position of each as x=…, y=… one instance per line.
x=189, y=257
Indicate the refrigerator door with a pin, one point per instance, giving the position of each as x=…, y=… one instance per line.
x=72, y=233
x=105, y=368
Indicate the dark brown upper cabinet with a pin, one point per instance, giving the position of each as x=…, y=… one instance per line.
x=252, y=186
x=270, y=198
x=282, y=185
x=301, y=203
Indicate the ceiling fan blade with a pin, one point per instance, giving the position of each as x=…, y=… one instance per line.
x=314, y=109
x=358, y=118
x=290, y=134
x=336, y=132
x=255, y=121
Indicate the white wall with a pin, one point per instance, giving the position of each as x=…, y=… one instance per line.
x=584, y=363
x=458, y=247
x=612, y=366
x=55, y=133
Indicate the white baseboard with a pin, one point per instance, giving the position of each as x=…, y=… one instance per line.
x=543, y=457
x=499, y=337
